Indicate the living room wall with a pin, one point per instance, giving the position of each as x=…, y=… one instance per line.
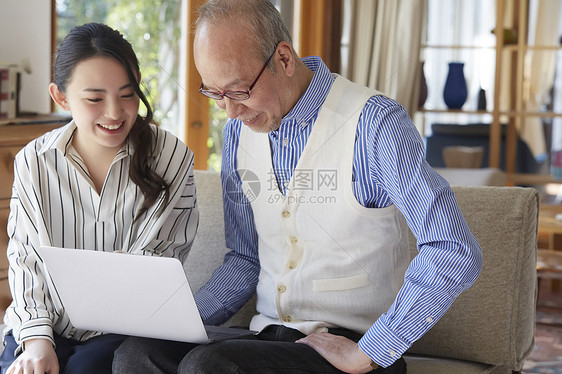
x=25, y=33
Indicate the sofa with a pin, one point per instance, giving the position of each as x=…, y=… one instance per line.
x=488, y=329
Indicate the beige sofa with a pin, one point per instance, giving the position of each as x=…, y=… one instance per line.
x=489, y=328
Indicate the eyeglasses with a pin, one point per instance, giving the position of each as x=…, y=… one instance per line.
x=235, y=95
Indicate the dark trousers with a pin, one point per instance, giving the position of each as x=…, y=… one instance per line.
x=273, y=351
x=95, y=355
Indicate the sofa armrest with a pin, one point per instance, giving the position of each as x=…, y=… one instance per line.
x=493, y=321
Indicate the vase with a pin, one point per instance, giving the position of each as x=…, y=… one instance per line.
x=482, y=104
x=455, y=91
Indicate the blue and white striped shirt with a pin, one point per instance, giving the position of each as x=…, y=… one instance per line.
x=389, y=168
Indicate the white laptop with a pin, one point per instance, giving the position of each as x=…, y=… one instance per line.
x=129, y=294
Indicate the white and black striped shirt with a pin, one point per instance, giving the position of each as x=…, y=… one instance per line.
x=54, y=202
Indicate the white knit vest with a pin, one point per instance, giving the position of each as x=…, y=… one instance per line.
x=326, y=260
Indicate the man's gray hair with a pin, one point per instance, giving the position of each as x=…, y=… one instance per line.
x=260, y=16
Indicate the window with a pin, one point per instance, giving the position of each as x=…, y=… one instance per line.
x=155, y=37
x=460, y=31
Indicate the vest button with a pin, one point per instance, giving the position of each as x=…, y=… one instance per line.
x=285, y=214
x=281, y=288
x=292, y=265
x=287, y=318
x=294, y=239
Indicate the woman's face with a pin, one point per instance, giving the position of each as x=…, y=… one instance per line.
x=103, y=104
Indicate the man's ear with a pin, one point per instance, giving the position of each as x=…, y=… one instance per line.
x=58, y=97
x=287, y=58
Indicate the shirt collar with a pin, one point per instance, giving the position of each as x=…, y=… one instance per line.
x=61, y=140
x=314, y=96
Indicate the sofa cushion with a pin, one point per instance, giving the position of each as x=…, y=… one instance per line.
x=208, y=248
x=434, y=365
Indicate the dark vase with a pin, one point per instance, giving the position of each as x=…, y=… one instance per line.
x=423, y=88
x=455, y=92
x=482, y=104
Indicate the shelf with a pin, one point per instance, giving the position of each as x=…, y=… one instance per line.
x=530, y=179
x=38, y=119
x=516, y=47
x=510, y=113
x=492, y=47
x=508, y=47
x=510, y=87
x=514, y=113
x=454, y=111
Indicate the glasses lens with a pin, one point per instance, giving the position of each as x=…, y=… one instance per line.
x=211, y=94
x=237, y=95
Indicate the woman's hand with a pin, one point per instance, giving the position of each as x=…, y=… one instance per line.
x=342, y=353
x=38, y=357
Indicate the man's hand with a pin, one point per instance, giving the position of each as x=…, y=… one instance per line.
x=38, y=357
x=342, y=353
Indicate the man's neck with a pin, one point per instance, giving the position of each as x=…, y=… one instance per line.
x=299, y=84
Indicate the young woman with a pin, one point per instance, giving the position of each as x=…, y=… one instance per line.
x=107, y=181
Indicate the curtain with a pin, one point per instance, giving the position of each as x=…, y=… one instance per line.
x=385, y=47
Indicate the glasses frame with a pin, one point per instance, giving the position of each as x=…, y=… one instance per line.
x=238, y=95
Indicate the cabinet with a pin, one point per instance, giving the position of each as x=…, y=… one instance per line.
x=13, y=137
x=513, y=66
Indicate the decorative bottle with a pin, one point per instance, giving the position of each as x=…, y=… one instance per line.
x=455, y=91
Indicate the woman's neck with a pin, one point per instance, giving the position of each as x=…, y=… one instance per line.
x=97, y=158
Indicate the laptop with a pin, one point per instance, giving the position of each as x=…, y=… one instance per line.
x=129, y=294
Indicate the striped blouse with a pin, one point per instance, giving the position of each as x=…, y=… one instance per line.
x=54, y=203
x=389, y=168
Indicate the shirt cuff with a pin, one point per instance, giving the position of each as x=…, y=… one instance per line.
x=212, y=311
x=382, y=345
x=39, y=328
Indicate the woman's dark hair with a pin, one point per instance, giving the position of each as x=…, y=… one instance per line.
x=99, y=40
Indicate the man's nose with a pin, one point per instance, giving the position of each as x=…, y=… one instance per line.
x=233, y=107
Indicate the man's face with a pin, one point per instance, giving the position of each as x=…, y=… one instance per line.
x=226, y=63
